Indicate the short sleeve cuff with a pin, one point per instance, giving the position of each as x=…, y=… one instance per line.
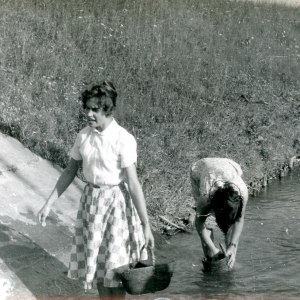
x=128, y=162
x=128, y=151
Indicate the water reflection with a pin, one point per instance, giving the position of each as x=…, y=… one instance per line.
x=217, y=283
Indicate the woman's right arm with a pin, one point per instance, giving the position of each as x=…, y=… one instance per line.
x=62, y=184
x=208, y=245
x=202, y=210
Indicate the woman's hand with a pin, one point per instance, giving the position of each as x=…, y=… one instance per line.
x=212, y=252
x=43, y=214
x=149, y=239
x=231, y=253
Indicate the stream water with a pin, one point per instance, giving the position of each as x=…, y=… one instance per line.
x=268, y=257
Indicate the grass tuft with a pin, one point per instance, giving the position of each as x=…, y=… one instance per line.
x=195, y=79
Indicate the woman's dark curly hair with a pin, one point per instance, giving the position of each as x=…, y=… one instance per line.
x=106, y=94
x=227, y=205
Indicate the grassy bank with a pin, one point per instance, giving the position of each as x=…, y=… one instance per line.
x=195, y=79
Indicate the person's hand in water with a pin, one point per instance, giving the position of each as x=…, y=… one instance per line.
x=230, y=254
x=214, y=255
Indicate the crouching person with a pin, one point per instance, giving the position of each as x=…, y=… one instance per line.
x=221, y=196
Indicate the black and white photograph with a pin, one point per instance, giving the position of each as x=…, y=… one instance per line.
x=149, y=149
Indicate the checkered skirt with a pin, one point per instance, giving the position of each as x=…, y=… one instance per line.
x=108, y=235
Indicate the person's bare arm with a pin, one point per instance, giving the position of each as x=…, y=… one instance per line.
x=138, y=199
x=208, y=245
x=62, y=184
x=202, y=211
x=233, y=236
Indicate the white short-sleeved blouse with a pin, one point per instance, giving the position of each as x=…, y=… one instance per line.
x=211, y=173
x=104, y=154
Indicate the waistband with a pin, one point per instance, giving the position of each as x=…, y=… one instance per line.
x=104, y=186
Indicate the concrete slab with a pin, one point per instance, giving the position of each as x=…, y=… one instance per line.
x=34, y=259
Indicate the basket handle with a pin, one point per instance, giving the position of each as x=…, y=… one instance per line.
x=223, y=249
x=151, y=252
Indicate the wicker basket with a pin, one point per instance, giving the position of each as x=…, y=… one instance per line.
x=145, y=277
x=216, y=265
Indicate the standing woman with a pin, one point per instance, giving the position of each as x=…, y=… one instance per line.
x=112, y=222
x=221, y=196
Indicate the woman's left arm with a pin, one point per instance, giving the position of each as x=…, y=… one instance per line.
x=138, y=199
x=233, y=237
